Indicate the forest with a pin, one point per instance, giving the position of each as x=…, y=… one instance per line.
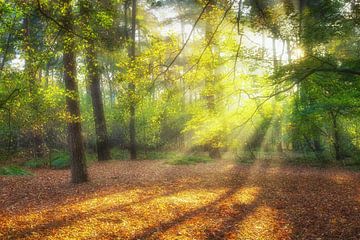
x=179, y=119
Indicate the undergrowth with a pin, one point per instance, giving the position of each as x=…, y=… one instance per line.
x=189, y=160
x=14, y=171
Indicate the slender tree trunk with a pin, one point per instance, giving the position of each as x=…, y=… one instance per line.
x=288, y=50
x=275, y=62
x=33, y=83
x=277, y=133
x=93, y=71
x=318, y=145
x=336, y=137
x=132, y=127
x=75, y=139
x=213, y=145
x=5, y=52
x=47, y=75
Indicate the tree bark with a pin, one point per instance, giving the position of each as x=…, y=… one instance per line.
x=75, y=139
x=213, y=144
x=93, y=71
x=37, y=138
x=336, y=141
x=132, y=127
x=94, y=89
x=277, y=133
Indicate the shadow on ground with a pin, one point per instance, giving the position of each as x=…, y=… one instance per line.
x=221, y=200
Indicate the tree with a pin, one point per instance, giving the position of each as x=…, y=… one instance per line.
x=75, y=139
x=213, y=145
x=102, y=142
x=132, y=55
x=93, y=79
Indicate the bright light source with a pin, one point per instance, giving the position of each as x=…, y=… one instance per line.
x=298, y=53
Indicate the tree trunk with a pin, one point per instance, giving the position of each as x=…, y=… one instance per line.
x=277, y=133
x=274, y=57
x=132, y=127
x=93, y=71
x=93, y=78
x=288, y=50
x=37, y=138
x=336, y=142
x=213, y=144
x=75, y=140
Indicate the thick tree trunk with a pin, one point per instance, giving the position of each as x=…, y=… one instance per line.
x=93, y=71
x=75, y=140
x=132, y=127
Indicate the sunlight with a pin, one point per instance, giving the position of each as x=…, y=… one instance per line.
x=195, y=197
x=298, y=53
x=246, y=195
x=165, y=119
x=263, y=223
x=114, y=214
x=341, y=178
x=71, y=211
x=139, y=216
x=18, y=62
x=169, y=25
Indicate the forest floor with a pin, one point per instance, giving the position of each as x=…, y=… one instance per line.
x=154, y=200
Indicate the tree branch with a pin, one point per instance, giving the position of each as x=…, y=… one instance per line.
x=14, y=93
x=340, y=70
x=186, y=42
x=43, y=13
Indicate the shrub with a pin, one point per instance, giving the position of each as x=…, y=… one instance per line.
x=35, y=163
x=190, y=160
x=60, y=160
x=157, y=155
x=14, y=171
x=119, y=154
x=91, y=157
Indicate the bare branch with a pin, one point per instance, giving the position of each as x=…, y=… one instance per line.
x=13, y=94
x=186, y=42
x=43, y=13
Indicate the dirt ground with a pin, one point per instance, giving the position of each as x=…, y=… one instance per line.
x=154, y=200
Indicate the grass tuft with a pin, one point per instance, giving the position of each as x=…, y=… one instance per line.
x=60, y=160
x=14, y=171
x=35, y=163
x=189, y=160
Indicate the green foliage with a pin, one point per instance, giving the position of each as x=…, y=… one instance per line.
x=120, y=154
x=60, y=160
x=246, y=157
x=189, y=160
x=14, y=171
x=123, y=154
x=157, y=155
x=36, y=163
x=221, y=93
x=90, y=157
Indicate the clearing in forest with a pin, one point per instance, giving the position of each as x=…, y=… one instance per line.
x=154, y=200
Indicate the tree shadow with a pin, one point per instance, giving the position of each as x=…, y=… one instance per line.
x=241, y=211
x=314, y=203
x=78, y=216
x=164, y=226
x=317, y=207
x=47, y=228
x=306, y=203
